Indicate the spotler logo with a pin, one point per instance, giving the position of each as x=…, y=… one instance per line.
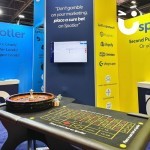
x=121, y=23
x=145, y=27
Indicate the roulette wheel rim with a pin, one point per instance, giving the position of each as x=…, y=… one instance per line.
x=29, y=105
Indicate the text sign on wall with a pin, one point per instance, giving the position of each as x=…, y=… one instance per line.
x=69, y=16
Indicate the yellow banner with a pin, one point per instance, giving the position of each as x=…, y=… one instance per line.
x=106, y=59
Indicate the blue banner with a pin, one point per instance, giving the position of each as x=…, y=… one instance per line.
x=70, y=20
x=16, y=52
x=38, y=60
x=38, y=12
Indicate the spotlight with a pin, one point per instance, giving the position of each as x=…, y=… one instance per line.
x=21, y=16
x=132, y=7
x=1, y=12
x=134, y=13
x=133, y=2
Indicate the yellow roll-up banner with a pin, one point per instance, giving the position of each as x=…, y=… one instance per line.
x=106, y=59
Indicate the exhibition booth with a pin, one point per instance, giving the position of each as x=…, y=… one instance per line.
x=94, y=62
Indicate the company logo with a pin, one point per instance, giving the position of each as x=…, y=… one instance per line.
x=121, y=23
x=128, y=31
x=144, y=27
x=106, y=26
x=42, y=76
x=11, y=33
x=38, y=38
x=101, y=63
x=106, y=44
x=107, y=78
x=109, y=105
x=131, y=134
x=108, y=92
x=102, y=34
x=42, y=47
x=42, y=88
x=103, y=54
x=42, y=66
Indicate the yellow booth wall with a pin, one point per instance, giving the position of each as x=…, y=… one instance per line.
x=106, y=59
x=133, y=62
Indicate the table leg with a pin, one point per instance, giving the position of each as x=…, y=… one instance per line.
x=57, y=144
x=51, y=142
x=16, y=135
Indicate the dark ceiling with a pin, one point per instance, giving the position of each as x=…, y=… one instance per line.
x=12, y=8
x=143, y=7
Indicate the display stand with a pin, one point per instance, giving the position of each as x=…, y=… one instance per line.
x=144, y=97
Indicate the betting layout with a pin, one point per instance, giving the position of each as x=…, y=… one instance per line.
x=111, y=127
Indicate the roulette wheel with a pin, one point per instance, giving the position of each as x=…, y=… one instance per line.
x=29, y=102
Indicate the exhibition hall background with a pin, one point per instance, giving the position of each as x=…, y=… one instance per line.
x=115, y=64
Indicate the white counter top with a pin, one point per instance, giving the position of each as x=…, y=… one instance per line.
x=10, y=81
x=144, y=84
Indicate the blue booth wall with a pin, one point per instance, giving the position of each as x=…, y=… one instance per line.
x=38, y=60
x=70, y=21
x=38, y=52
x=16, y=53
x=38, y=12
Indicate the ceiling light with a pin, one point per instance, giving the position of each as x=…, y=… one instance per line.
x=133, y=13
x=1, y=12
x=132, y=7
x=21, y=16
x=133, y=2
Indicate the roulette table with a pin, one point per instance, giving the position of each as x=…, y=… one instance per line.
x=73, y=125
